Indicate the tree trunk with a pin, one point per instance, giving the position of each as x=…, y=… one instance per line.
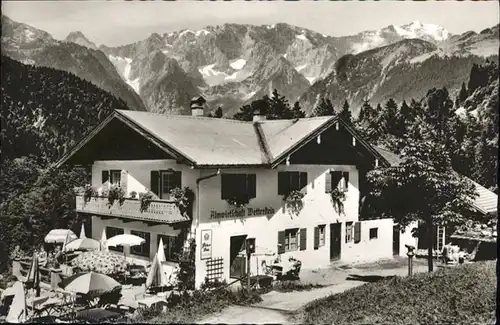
x=430, y=242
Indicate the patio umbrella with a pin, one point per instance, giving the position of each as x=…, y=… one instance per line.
x=125, y=240
x=83, y=244
x=82, y=232
x=91, y=283
x=161, y=252
x=156, y=276
x=18, y=310
x=33, y=278
x=103, y=241
x=59, y=236
x=67, y=240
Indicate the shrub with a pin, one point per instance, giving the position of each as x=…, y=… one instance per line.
x=145, y=199
x=115, y=193
x=294, y=203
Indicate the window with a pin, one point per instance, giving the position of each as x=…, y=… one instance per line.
x=348, y=232
x=171, y=246
x=111, y=232
x=141, y=250
x=337, y=179
x=319, y=236
x=238, y=186
x=116, y=176
x=169, y=180
x=373, y=233
x=112, y=176
x=291, y=239
x=291, y=181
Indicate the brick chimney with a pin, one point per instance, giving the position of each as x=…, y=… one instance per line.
x=197, y=106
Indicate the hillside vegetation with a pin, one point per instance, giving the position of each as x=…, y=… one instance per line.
x=459, y=295
x=44, y=111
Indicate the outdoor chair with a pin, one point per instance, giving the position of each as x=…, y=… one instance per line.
x=110, y=298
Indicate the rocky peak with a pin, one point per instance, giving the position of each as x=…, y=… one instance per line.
x=80, y=39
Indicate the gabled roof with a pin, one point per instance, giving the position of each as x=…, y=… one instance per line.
x=212, y=142
x=486, y=202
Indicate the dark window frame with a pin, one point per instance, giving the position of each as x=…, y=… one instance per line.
x=143, y=250
x=349, y=232
x=238, y=185
x=322, y=235
x=293, y=181
x=289, y=234
x=373, y=235
x=172, y=243
x=111, y=232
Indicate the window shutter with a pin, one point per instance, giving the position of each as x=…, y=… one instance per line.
x=303, y=181
x=155, y=182
x=303, y=239
x=105, y=176
x=223, y=186
x=252, y=185
x=357, y=232
x=294, y=181
x=283, y=182
x=346, y=179
x=336, y=177
x=281, y=242
x=178, y=179
x=328, y=182
x=316, y=237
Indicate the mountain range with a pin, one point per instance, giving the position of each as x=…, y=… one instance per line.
x=234, y=64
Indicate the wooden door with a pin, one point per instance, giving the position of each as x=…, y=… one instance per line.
x=237, y=258
x=335, y=240
x=395, y=240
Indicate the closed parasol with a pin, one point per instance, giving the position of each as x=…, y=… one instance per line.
x=59, y=236
x=91, y=283
x=18, y=310
x=103, y=241
x=156, y=276
x=33, y=278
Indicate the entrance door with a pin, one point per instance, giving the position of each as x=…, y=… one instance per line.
x=395, y=240
x=335, y=237
x=237, y=259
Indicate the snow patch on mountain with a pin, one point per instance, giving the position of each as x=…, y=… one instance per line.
x=237, y=64
x=302, y=37
x=212, y=76
x=29, y=36
x=124, y=65
x=203, y=31
x=270, y=26
x=311, y=79
x=187, y=31
x=301, y=67
x=371, y=40
x=418, y=30
x=250, y=95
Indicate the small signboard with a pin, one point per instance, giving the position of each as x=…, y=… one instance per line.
x=206, y=244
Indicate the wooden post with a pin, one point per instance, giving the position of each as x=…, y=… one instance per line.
x=248, y=272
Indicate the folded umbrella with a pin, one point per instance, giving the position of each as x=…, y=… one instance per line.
x=33, y=278
x=103, y=241
x=156, y=276
x=18, y=310
x=82, y=232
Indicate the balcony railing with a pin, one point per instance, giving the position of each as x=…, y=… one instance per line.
x=158, y=210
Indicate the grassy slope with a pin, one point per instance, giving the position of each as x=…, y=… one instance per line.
x=458, y=295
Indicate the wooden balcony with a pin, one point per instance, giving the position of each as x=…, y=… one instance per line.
x=158, y=211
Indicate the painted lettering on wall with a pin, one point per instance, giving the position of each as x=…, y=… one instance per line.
x=206, y=244
x=241, y=213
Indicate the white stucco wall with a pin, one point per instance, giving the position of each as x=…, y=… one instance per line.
x=317, y=210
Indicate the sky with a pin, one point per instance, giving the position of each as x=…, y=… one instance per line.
x=117, y=22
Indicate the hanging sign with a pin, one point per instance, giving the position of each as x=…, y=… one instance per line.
x=206, y=244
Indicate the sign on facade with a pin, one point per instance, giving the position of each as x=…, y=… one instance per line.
x=206, y=244
x=241, y=213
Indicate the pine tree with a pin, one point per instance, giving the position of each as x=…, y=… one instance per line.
x=403, y=119
x=279, y=108
x=324, y=108
x=463, y=94
x=297, y=111
x=345, y=114
x=390, y=117
x=218, y=112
